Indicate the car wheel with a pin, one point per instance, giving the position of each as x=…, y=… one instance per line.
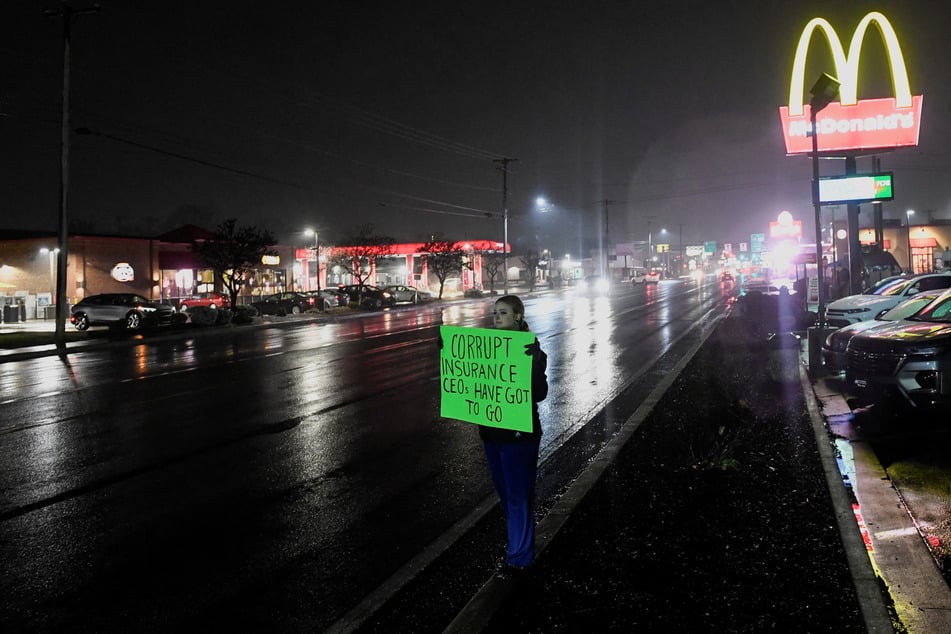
x=133, y=320
x=295, y=310
x=82, y=321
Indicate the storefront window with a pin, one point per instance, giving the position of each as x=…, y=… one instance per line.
x=178, y=283
x=206, y=281
x=261, y=282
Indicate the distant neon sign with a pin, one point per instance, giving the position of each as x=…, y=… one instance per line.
x=792, y=229
x=851, y=124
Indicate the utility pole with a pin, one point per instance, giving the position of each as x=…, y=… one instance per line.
x=649, y=264
x=67, y=14
x=505, y=220
x=605, y=241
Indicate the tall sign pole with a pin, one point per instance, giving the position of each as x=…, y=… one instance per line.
x=818, y=212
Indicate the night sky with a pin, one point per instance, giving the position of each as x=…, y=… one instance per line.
x=291, y=115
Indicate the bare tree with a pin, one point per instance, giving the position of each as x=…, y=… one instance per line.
x=443, y=257
x=531, y=260
x=233, y=253
x=492, y=262
x=357, y=254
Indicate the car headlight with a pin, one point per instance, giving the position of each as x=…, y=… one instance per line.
x=837, y=344
x=855, y=311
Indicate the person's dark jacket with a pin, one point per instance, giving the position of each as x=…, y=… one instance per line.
x=539, y=392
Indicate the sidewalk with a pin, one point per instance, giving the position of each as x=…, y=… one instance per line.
x=885, y=551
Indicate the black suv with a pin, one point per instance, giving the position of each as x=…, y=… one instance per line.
x=910, y=360
x=367, y=296
x=120, y=309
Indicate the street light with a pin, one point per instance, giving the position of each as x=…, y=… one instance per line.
x=911, y=261
x=316, y=235
x=824, y=92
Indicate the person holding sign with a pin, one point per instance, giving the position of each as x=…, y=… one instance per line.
x=513, y=455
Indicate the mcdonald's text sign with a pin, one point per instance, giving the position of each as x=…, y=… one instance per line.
x=852, y=124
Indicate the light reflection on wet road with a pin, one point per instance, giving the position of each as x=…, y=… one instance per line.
x=302, y=460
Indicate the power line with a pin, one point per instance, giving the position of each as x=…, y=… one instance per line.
x=88, y=131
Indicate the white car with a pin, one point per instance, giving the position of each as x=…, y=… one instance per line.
x=652, y=277
x=410, y=294
x=856, y=308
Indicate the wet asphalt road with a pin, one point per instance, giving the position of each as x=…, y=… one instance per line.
x=277, y=476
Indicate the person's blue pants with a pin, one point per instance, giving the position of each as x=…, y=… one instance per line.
x=514, y=467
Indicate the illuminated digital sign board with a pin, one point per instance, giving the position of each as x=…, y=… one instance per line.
x=855, y=189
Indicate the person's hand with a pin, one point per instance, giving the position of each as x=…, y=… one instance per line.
x=439, y=341
x=533, y=349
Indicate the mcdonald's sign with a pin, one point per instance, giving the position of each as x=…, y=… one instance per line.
x=852, y=124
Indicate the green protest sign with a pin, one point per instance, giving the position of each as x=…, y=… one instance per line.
x=485, y=377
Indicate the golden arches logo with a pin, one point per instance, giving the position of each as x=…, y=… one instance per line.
x=847, y=66
x=852, y=124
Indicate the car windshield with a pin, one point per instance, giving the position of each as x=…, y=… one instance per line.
x=895, y=288
x=938, y=311
x=908, y=308
x=887, y=281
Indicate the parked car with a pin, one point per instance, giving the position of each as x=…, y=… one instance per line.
x=288, y=303
x=862, y=307
x=411, y=294
x=908, y=362
x=764, y=286
x=834, y=347
x=652, y=277
x=367, y=296
x=211, y=300
x=328, y=298
x=120, y=309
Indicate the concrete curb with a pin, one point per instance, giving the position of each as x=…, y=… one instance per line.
x=867, y=583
